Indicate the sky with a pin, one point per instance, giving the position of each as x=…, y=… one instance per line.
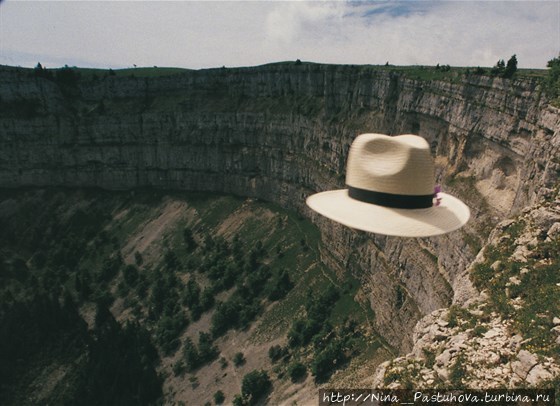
x=205, y=34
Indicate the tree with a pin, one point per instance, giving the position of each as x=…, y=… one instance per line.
x=326, y=361
x=219, y=397
x=552, y=82
x=137, y=256
x=191, y=296
x=179, y=368
x=255, y=385
x=479, y=71
x=280, y=286
x=67, y=76
x=189, y=239
x=120, y=367
x=511, y=67
x=498, y=69
x=191, y=355
x=40, y=71
x=297, y=371
x=276, y=352
x=130, y=275
x=171, y=260
x=239, y=400
x=207, y=351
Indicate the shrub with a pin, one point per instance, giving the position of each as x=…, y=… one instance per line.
x=67, y=76
x=297, y=371
x=179, y=368
x=138, y=258
x=191, y=296
x=498, y=69
x=223, y=363
x=552, y=81
x=239, y=359
x=400, y=296
x=206, y=350
x=280, y=286
x=296, y=334
x=318, y=311
x=166, y=336
x=189, y=240
x=219, y=397
x=276, y=352
x=171, y=260
x=195, y=356
x=238, y=312
x=130, y=275
x=458, y=372
x=479, y=330
x=255, y=385
x=239, y=400
x=328, y=359
x=191, y=355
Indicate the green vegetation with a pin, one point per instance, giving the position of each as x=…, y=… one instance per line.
x=40, y=331
x=276, y=352
x=459, y=316
x=552, y=81
x=81, y=250
x=219, y=397
x=194, y=356
x=505, y=70
x=537, y=289
x=458, y=372
x=239, y=359
x=331, y=347
x=406, y=374
x=255, y=385
x=297, y=371
x=75, y=73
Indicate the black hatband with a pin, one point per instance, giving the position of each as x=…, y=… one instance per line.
x=391, y=200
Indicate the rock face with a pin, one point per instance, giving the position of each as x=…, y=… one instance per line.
x=281, y=132
x=509, y=335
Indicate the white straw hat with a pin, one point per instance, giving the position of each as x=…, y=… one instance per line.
x=391, y=190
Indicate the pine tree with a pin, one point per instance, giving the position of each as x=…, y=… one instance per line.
x=511, y=67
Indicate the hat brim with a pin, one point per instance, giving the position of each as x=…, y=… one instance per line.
x=448, y=216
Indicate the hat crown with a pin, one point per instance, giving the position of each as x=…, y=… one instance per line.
x=401, y=165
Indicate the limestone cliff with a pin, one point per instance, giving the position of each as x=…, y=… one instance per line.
x=281, y=132
x=509, y=335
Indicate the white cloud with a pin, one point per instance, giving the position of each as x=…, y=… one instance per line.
x=197, y=34
x=458, y=33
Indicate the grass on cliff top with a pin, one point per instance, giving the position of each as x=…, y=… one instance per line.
x=421, y=72
x=94, y=73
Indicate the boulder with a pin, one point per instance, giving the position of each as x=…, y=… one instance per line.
x=524, y=363
x=538, y=374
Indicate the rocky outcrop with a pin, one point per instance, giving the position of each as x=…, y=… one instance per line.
x=281, y=132
x=454, y=357
x=509, y=335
